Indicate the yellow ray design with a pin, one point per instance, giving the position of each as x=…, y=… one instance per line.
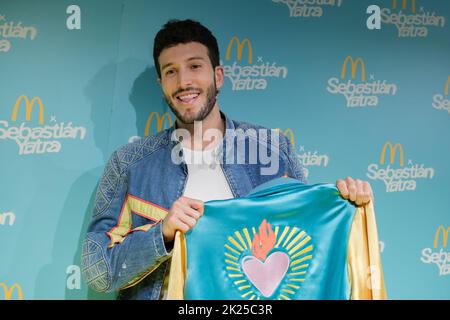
x=231, y=249
x=241, y=240
x=231, y=256
x=244, y=287
x=237, y=245
x=307, y=249
x=303, y=266
x=294, y=230
x=302, y=259
x=296, y=280
x=235, y=275
x=232, y=263
x=301, y=244
x=288, y=291
x=296, y=274
x=296, y=262
x=276, y=231
x=286, y=229
x=292, y=286
x=231, y=268
x=295, y=240
x=247, y=237
x=240, y=281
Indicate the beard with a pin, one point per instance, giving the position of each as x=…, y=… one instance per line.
x=204, y=111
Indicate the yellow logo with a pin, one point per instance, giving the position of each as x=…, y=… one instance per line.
x=160, y=120
x=354, y=67
x=240, y=48
x=446, y=85
x=444, y=232
x=7, y=292
x=392, y=149
x=288, y=134
x=28, y=108
x=413, y=4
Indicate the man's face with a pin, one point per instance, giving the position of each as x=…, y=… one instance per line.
x=188, y=81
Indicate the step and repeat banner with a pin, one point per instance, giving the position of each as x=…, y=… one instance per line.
x=77, y=81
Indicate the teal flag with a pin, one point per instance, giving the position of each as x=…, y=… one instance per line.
x=285, y=240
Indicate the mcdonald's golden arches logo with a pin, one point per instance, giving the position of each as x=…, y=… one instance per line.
x=160, y=120
x=446, y=85
x=28, y=108
x=404, y=2
x=8, y=291
x=288, y=134
x=354, y=68
x=240, y=47
x=441, y=230
x=392, y=152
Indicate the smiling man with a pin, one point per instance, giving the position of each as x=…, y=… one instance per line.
x=157, y=185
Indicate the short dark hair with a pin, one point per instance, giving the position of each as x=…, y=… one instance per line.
x=184, y=31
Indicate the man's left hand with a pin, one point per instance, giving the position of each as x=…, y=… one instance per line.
x=355, y=190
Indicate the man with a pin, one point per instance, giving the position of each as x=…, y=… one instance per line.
x=155, y=186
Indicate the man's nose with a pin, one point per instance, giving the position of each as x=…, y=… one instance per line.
x=184, y=79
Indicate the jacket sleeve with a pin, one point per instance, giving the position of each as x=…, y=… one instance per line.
x=293, y=164
x=114, y=256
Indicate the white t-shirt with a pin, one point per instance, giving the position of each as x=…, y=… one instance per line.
x=206, y=179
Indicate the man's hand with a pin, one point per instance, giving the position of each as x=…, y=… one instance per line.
x=357, y=191
x=183, y=216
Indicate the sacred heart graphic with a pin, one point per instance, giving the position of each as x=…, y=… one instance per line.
x=267, y=275
x=258, y=267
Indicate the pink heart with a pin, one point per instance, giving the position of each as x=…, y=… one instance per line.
x=267, y=275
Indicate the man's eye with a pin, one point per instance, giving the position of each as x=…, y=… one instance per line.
x=170, y=72
x=195, y=66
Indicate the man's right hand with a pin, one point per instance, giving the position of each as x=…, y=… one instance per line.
x=183, y=216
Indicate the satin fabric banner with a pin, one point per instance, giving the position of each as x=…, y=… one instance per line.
x=285, y=240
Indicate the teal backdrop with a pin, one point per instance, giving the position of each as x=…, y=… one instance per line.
x=371, y=104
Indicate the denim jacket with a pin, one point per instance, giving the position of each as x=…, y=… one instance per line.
x=135, y=263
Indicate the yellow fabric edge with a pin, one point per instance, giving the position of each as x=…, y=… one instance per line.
x=178, y=267
x=364, y=260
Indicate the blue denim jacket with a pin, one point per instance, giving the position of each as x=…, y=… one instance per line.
x=145, y=170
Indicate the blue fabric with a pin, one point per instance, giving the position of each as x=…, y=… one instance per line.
x=318, y=210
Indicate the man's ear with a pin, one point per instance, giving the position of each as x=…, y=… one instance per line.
x=158, y=80
x=219, y=76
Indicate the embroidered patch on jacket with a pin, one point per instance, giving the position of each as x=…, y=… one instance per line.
x=141, y=207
